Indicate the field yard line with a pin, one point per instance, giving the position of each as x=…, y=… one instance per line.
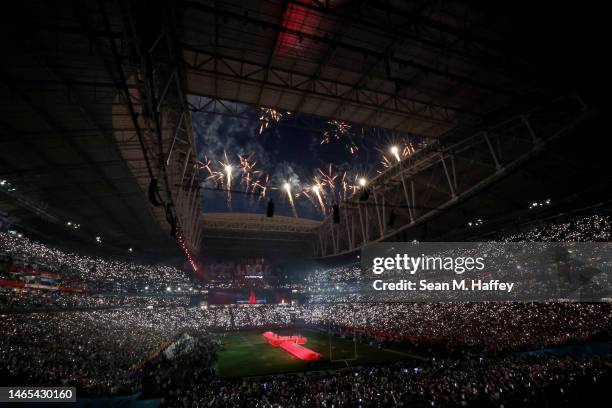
x=405, y=354
x=247, y=340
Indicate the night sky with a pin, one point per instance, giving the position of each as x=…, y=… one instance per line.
x=288, y=151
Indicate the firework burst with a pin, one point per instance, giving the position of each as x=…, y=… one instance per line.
x=269, y=116
x=337, y=130
x=247, y=169
x=262, y=184
x=397, y=152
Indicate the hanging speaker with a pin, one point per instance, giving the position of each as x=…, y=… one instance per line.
x=270, y=209
x=391, y=219
x=153, y=192
x=365, y=194
x=336, y=213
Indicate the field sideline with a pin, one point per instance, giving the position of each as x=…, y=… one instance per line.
x=246, y=353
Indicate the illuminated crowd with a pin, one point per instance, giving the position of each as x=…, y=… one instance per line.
x=101, y=351
x=510, y=381
x=596, y=228
x=91, y=272
x=492, y=327
x=109, y=343
x=12, y=299
x=96, y=351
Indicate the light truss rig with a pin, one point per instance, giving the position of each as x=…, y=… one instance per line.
x=359, y=62
x=440, y=176
x=153, y=97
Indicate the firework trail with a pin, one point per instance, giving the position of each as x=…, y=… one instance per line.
x=247, y=168
x=213, y=175
x=227, y=174
x=261, y=185
x=317, y=190
x=344, y=183
x=287, y=188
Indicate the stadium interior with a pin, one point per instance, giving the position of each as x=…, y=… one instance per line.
x=188, y=189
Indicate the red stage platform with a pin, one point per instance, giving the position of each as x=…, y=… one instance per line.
x=300, y=352
x=276, y=340
x=292, y=344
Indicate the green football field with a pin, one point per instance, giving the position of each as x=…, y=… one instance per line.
x=247, y=353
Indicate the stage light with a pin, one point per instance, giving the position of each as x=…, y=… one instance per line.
x=362, y=181
x=314, y=189
x=99, y=239
x=228, y=169
x=68, y=223
x=287, y=187
x=168, y=289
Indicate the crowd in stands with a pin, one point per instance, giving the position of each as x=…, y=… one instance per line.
x=113, y=343
x=491, y=327
x=92, y=273
x=521, y=263
x=102, y=352
x=272, y=316
x=506, y=382
x=593, y=228
x=20, y=300
x=97, y=351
